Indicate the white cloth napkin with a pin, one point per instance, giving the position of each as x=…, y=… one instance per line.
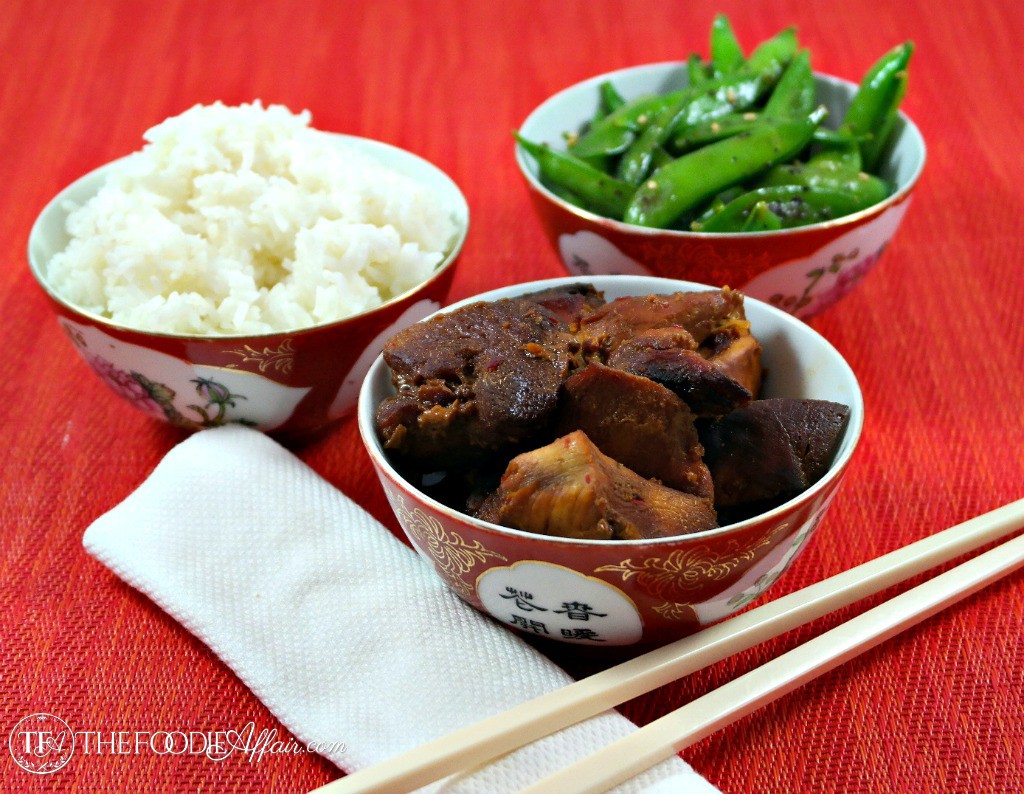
x=334, y=624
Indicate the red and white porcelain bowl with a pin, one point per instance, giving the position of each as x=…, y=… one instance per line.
x=802, y=271
x=622, y=592
x=293, y=383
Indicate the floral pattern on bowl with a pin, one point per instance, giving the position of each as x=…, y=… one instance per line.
x=809, y=285
x=187, y=395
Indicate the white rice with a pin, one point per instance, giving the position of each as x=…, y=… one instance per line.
x=243, y=219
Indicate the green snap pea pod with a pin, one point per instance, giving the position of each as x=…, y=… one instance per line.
x=864, y=189
x=696, y=70
x=635, y=162
x=687, y=182
x=615, y=132
x=705, y=132
x=873, y=107
x=771, y=56
x=793, y=96
x=872, y=149
x=839, y=157
x=719, y=201
x=761, y=219
x=735, y=123
x=864, y=143
x=879, y=92
x=605, y=195
x=713, y=99
x=742, y=90
x=660, y=157
x=611, y=99
x=726, y=53
x=731, y=216
x=836, y=137
x=734, y=93
x=565, y=194
x=794, y=205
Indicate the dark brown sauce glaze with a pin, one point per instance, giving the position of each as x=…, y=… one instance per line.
x=541, y=412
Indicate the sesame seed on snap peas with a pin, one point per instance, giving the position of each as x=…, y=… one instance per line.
x=685, y=183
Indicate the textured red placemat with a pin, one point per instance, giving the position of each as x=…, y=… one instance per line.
x=933, y=335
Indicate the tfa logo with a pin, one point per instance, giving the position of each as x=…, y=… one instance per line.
x=42, y=743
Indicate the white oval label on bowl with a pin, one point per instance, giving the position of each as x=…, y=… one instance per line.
x=559, y=603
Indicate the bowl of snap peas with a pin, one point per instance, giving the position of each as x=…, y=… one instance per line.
x=753, y=172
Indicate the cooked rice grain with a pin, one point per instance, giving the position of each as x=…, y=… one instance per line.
x=244, y=220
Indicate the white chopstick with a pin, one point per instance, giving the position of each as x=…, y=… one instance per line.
x=668, y=735
x=495, y=736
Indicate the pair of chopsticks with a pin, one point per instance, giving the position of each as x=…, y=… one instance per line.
x=495, y=736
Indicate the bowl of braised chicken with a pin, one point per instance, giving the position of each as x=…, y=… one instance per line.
x=610, y=460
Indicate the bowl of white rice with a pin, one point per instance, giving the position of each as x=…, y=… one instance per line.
x=245, y=267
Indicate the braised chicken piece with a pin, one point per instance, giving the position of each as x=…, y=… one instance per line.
x=482, y=379
x=570, y=489
x=704, y=387
x=772, y=449
x=698, y=314
x=485, y=379
x=639, y=423
x=674, y=340
x=736, y=354
x=570, y=304
x=652, y=397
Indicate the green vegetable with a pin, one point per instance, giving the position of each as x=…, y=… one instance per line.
x=713, y=99
x=793, y=205
x=840, y=157
x=611, y=99
x=793, y=96
x=871, y=149
x=772, y=56
x=761, y=219
x=836, y=137
x=615, y=132
x=721, y=97
x=718, y=202
x=660, y=157
x=874, y=106
x=685, y=183
x=864, y=189
x=705, y=132
x=726, y=53
x=739, y=149
x=565, y=194
x=726, y=126
x=696, y=70
x=600, y=192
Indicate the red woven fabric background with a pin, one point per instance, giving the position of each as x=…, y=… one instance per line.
x=934, y=335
